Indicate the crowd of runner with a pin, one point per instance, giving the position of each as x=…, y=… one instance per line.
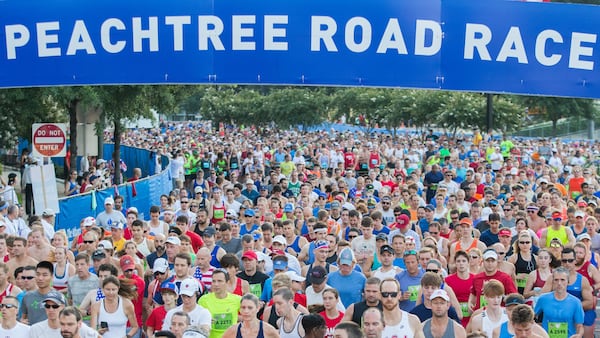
x=272, y=233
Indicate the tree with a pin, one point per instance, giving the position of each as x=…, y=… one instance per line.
x=289, y=107
x=554, y=108
x=366, y=106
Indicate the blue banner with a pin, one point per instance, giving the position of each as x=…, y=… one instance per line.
x=490, y=46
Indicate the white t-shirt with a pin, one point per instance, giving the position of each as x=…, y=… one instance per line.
x=42, y=330
x=20, y=330
x=198, y=317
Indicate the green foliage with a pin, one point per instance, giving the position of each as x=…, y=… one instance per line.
x=289, y=107
x=554, y=108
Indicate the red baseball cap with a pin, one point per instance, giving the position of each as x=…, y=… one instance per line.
x=250, y=254
x=127, y=263
x=403, y=220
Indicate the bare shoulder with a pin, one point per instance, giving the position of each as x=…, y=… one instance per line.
x=459, y=331
x=269, y=330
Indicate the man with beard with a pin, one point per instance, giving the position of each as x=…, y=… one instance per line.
x=159, y=241
x=50, y=328
x=398, y=322
x=355, y=311
x=71, y=325
x=439, y=325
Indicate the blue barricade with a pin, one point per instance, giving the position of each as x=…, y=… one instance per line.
x=140, y=194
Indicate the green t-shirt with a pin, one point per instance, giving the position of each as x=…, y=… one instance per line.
x=287, y=168
x=224, y=312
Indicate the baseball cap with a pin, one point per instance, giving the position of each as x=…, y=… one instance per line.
x=188, y=287
x=89, y=221
x=584, y=236
x=173, y=240
x=430, y=207
x=317, y=275
x=346, y=257
x=466, y=221
x=261, y=257
x=48, y=212
x=279, y=239
x=249, y=182
x=280, y=263
x=381, y=237
x=439, y=293
x=250, y=254
x=117, y=225
x=98, y=254
x=294, y=276
x=335, y=205
x=403, y=220
x=231, y=213
x=490, y=254
x=100, y=161
x=321, y=245
x=582, y=204
x=514, y=299
x=127, y=263
x=209, y=231
x=249, y=213
x=198, y=190
x=386, y=248
x=289, y=207
x=168, y=286
x=557, y=215
x=105, y=244
x=579, y=213
x=109, y=200
x=504, y=232
x=493, y=202
x=56, y=297
x=160, y=265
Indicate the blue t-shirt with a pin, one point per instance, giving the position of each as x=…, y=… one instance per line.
x=410, y=284
x=489, y=238
x=568, y=310
x=350, y=287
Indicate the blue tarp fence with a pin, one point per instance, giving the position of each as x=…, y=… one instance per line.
x=140, y=194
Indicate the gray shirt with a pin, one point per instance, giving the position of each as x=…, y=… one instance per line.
x=33, y=306
x=78, y=288
x=233, y=246
x=105, y=219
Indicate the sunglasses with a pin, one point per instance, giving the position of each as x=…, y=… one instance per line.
x=531, y=211
x=433, y=233
x=524, y=242
x=555, y=245
x=88, y=242
x=474, y=257
x=27, y=277
x=389, y=294
x=352, y=237
x=501, y=253
x=159, y=273
x=48, y=306
x=570, y=260
x=129, y=270
x=184, y=202
x=432, y=270
x=8, y=306
x=507, y=209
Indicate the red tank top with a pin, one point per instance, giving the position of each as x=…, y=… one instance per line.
x=238, y=288
x=218, y=213
x=583, y=270
x=6, y=292
x=539, y=282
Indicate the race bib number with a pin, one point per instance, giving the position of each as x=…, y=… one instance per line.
x=222, y=321
x=558, y=330
x=256, y=289
x=464, y=308
x=414, y=292
x=219, y=214
x=521, y=282
x=482, y=301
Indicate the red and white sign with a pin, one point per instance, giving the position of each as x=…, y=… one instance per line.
x=49, y=139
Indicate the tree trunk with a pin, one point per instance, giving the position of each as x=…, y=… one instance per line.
x=117, y=151
x=73, y=135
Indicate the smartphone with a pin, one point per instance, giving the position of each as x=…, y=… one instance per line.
x=103, y=325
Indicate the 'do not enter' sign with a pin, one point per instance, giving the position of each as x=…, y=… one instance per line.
x=49, y=139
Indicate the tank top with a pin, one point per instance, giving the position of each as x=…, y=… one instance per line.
x=295, y=246
x=539, y=282
x=504, y=331
x=233, y=162
x=584, y=231
x=60, y=282
x=117, y=321
x=593, y=261
x=359, y=309
x=488, y=326
x=274, y=317
x=311, y=254
x=472, y=246
x=238, y=288
x=523, y=266
x=402, y=329
x=449, y=333
x=160, y=229
x=260, y=331
x=583, y=270
x=214, y=261
x=294, y=333
x=6, y=292
x=561, y=234
x=71, y=186
x=218, y=213
x=575, y=288
x=143, y=247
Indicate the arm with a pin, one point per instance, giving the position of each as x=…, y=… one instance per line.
x=94, y=319
x=528, y=291
x=86, y=303
x=571, y=237
x=415, y=325
x=451, y=265
x=231, y=332
x=595, y=274
x=496, y=333
x=130, y=313
x=303, y=255
x=586, y=294
x=542, y=243
x=348, y=314
x=454, y=301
